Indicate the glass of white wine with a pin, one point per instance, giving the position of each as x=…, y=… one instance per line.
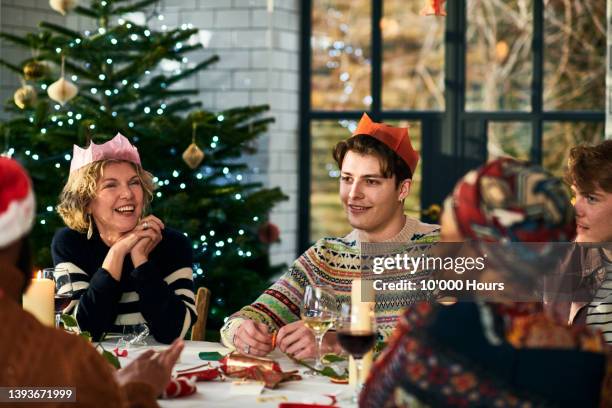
x=319, y=313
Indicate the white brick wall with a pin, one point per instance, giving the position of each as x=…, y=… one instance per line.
x=252, y=71
x=259, y=64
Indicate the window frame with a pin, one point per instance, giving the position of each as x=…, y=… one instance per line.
x=454, y=135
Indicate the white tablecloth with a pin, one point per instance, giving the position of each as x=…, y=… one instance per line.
x=216, y=393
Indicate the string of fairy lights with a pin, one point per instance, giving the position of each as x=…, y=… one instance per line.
x=65, y=117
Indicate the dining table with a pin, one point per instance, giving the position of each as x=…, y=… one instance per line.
x=231, y=392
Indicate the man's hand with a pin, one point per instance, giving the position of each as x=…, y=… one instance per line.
x=297, y=340
x=152, y=368
x=252, y=338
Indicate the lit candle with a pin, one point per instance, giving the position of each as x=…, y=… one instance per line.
x=38, y=300
x=362, y=311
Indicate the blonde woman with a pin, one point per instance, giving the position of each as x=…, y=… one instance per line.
x=127, y=269
x=38, y=356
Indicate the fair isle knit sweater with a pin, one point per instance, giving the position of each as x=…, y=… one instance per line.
x=334, y=262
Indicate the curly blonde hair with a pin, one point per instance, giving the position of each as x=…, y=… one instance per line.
x=80, y=190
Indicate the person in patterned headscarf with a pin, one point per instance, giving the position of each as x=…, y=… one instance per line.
x=523, y=211
x=494, y=354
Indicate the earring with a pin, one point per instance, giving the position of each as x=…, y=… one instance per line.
x=90, y=228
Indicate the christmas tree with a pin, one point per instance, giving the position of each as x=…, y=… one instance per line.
x=87, y=86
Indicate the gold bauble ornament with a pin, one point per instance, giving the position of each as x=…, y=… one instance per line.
x=62, y=91
x=34, y=70
x=63, y=6
x=25, y=97
x=193, y=156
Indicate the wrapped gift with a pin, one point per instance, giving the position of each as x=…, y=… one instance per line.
x=253, y=368
x=235, y=362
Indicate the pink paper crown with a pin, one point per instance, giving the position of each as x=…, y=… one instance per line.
x=118, y=148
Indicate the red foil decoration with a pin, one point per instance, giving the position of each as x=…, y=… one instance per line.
x=208, y=374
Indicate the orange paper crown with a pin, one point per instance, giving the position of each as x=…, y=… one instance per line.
x=397, y=139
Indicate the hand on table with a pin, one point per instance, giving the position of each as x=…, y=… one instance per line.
x=252, y=338
x=152, y=368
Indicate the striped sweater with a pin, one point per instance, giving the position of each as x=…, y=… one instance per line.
x=600, y=309
x=335, y=262
x=159, y=293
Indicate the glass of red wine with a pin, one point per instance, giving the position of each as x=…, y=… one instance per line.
x=356, y=335
x=63, y=290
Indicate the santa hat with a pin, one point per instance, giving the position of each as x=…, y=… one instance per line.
x=16, y=202
x=396, y=139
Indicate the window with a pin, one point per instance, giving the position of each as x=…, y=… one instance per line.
x=520, y=78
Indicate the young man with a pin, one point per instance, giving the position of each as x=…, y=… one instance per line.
x=588, y=271
x=37, y=356
x=376, y=164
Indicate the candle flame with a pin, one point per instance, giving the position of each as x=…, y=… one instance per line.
x=39, y=274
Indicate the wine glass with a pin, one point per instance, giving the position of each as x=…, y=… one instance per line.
x=63, y=290
x=356, y=335
x=319, y=312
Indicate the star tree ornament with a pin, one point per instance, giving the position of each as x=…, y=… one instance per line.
x=193, y=155
x=63, y=6
x=62, y=90
x=25, y=97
